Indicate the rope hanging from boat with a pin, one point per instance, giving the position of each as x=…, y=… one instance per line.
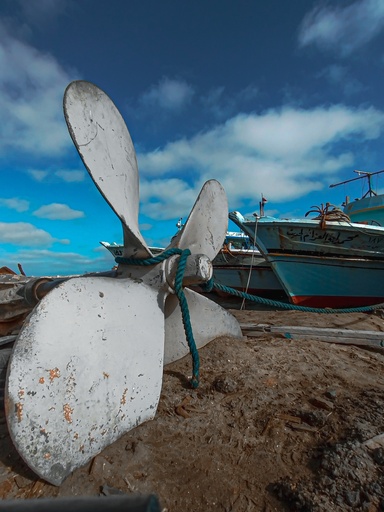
x=211, y=285
x=250, y=268
x=181, y=297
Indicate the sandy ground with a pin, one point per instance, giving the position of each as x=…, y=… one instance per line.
x=276, y=424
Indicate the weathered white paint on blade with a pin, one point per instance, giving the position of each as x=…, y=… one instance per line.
x=206, y=227
x=208, y=319
x=204, y=232
x=86, y=368
x=105, y=146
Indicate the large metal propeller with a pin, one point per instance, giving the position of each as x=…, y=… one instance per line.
x=87, y=364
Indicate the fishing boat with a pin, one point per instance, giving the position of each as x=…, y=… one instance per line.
x=240, y=265
x=327, y=261
x=369, y=209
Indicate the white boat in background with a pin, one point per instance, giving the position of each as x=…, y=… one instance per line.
x=369, y=209
x=321, y=262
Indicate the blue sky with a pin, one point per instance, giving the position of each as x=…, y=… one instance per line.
x=277, y=97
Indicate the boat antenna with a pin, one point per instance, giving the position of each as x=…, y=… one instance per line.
x=362, y=174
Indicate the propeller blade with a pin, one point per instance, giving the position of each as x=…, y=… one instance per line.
x=206, y=227
x=203, y=233
x=209, y=321
x=76, y=385
x=105, y=146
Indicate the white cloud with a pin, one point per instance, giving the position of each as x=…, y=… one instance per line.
x=343, y=29
x=68, y=176
x=166, y=198
x=284, y=153
x=57, y=211
x=31, y=91
x=43, y=262
x=14, y=203
x=38, y=175
x=174, y=95
x=145, y=226
x=291, y=133
x=25, y=234
x=71, y=176
x=168, y=94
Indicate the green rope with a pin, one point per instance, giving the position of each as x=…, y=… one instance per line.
x=186, y=318
x=211, y=285
x=180, y=295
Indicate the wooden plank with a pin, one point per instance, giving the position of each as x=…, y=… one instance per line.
x=341, y=341
x=376, y=344
x=312, y=331
x=367, y=339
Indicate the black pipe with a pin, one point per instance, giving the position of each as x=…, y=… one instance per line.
x=124, y=503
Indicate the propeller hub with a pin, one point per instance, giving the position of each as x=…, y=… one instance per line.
x=198, y=270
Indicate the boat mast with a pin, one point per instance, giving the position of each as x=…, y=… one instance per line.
x=362, y=175
x=261, y=205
